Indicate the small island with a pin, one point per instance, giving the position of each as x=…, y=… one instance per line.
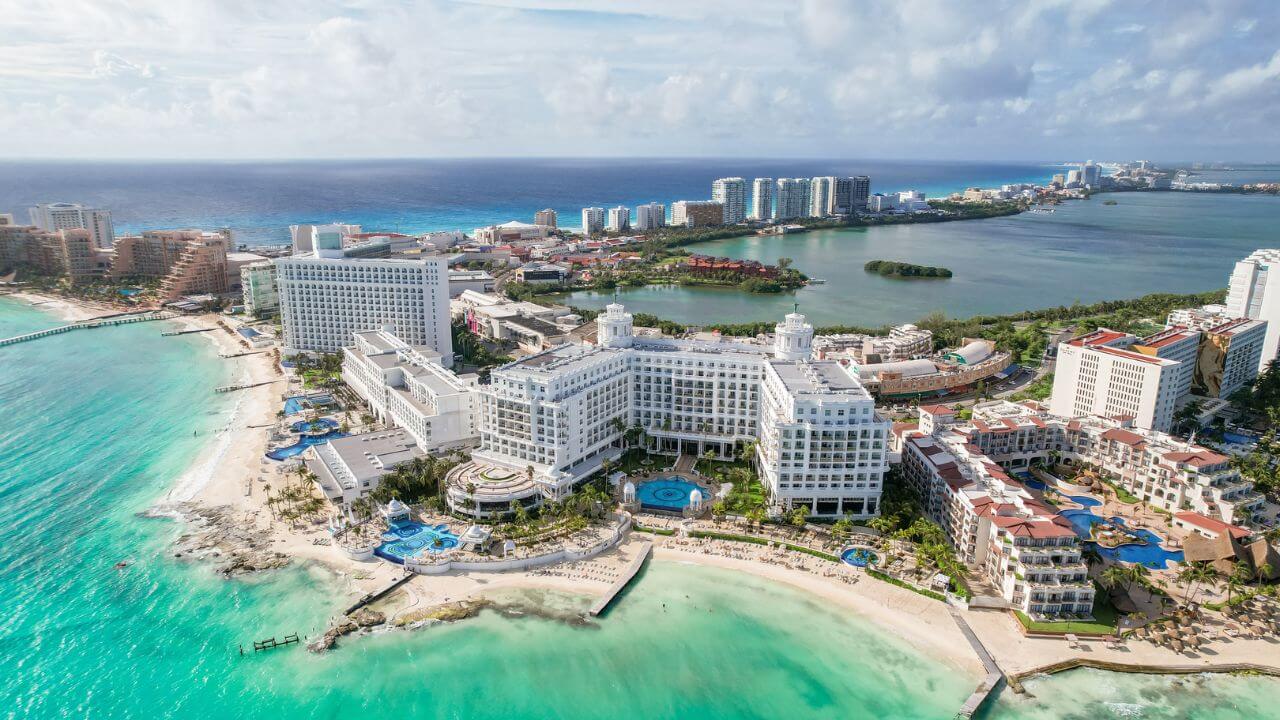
x=892, y=269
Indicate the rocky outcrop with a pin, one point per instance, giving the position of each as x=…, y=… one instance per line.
x=236, y=546
x=364, y=618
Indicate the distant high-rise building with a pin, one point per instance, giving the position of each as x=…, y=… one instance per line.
x=545, y=217
x=650, y=216
x=306, y=238
x=1075, y=178
x=860, y=191
x=70, y=216
x=840, y=202
x=6, y=219
x=762, y=198
x=1091, y=174
x=1059, y=179
x=1254, y=293
x=820, y=195
x=619, y=219
x=793, y=198
x=732, y=194
x=697, y=213
x=592, y=220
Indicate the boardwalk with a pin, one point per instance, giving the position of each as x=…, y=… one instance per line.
x=992, y=680
x=87, y=324
x=617, y=587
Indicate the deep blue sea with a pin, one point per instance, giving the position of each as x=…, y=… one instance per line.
x=259, y=200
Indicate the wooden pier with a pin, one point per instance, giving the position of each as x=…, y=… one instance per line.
x=621, y=583
x=86, y=325
x=246, y=386
x=171, y=333
x=272, y=643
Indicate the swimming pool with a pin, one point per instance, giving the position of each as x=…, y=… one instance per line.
x=407, y=539
x=1148, y=552
x=298, y=403
x=670, y=493
x=319, y=425
x=1030, y=481
x=859, y=557
x=304, y=442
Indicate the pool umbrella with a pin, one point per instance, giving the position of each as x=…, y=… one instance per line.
x=1178, y=647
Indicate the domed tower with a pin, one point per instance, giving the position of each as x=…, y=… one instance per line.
x=613, y=328
x=793, y=338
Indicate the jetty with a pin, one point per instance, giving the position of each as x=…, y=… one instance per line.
x=171, y=333
x=271, y=643
x=377, y=595
x=991, y=682
x=621, y=583
x=244, y=386
x=87, y=325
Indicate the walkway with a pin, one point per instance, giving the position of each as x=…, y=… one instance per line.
x=84, y=325
x=994, y=675
x=685, y=464
x=627, y=575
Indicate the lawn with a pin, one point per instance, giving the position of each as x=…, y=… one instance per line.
x=1103, y=622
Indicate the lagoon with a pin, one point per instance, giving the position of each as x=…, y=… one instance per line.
x=1085, y=251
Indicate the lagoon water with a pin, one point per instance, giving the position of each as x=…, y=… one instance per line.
x=98, y=426
x=1085, y=251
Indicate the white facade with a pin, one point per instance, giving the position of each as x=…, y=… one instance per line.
x=732, y=193
x=258, y=284
x=561, y=412
x=792, y=198
x=69, y=216
x=546, y=218
x=1254, y=293
x=592, y=221
x=619, y=219
x=762, y=199
x=324, y=301
x=820, y=196
x=650, y=216
x=407, y=387
x=1097, y=375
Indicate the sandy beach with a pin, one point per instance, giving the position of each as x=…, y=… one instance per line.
x=66, y=308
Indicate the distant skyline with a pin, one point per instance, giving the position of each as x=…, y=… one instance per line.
x=908, y=79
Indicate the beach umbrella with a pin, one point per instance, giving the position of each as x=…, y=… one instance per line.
x=1178, y=646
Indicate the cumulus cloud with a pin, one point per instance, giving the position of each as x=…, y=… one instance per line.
x=930, y=78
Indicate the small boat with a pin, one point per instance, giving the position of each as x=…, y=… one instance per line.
x=816, y=281
x=122, y=565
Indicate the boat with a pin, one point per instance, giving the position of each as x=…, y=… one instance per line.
x=122, y=565
x=816, y=281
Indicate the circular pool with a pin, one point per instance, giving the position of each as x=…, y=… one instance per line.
x=859, y=557
x=320, y=426
x=670, y=494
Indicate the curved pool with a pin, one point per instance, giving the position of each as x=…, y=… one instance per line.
x=304, y=442
x=1148, y=552
x=859, y=557
x=670, y=493
x=408, y=539
x=319, y=425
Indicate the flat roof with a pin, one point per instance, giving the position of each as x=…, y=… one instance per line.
x=371, y=455
x=818, y=377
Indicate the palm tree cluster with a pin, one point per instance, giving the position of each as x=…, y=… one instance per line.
x=297, y=500
x=415, y=481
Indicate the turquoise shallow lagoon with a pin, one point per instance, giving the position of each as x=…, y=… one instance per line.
x=99, y=424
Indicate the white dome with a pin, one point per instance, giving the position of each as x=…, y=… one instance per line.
x=629, y=488
x=695, y=497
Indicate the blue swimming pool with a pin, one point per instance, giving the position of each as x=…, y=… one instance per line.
x=298, y=403
x=320, y=425
x=407, y=539
x=306, y=441
x=859, y=557
x=670, y=494
x=1148, y=552
x=130, y=292
x=1030, y=481
x=1239, y=438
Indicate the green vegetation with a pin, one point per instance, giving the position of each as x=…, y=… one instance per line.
x=473, y=349
x=1260, y=403
x=320, y=371
x=652, y=531
x=416, y=481
x=889, y=268
x=895, y=581
x=1038, y=390
x=763, y=541
x=1103, y=622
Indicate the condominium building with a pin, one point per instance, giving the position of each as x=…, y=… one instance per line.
x=998, y=527
x=258, y=285
x=732, y=194
x=859, y=192
x=545, y=217
x=188, y=262
x=70, y=216
x=592, y=221
x=904, y=342
x=1228, y=357
x=792, y=198
x=72, y=253
x=697, y=213
x=1099, y=374
x=820, y=196
x=1254, y=293
x=650, y=216
x=406, y=386
x=310, y=238
x=619, y=219
x=325, y=298
x=548, y=421
x=1178, y=343
x=840, y=199
x=762, y=199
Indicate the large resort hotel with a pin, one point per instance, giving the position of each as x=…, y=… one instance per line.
x=548, y=421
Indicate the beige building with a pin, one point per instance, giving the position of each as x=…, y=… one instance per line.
x=71, y=252
x=189, y=262
x=697, y=213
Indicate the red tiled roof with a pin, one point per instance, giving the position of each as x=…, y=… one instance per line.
x=937, y=410
x=1095, y=338
x=1213, y=524
x=1034, y=528
x=1123, y=436
x=1198, y=458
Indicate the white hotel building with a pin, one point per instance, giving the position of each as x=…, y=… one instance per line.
x=326, y=298
x=1254, y=293
x=548, y=421
x=1099, y=374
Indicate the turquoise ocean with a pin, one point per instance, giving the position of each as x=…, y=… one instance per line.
x=100, y=424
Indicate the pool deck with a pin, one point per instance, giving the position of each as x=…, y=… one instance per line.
x=621, y=583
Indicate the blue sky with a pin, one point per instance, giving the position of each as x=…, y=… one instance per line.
x=1032, y=79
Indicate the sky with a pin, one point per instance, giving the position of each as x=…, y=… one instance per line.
x=928, y=79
